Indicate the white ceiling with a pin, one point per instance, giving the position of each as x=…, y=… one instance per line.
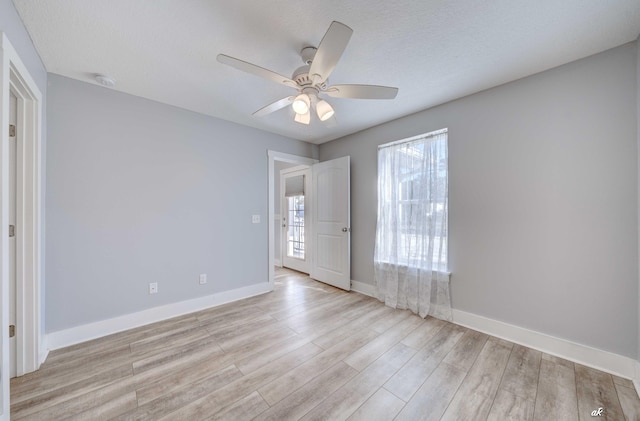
x=432, y=50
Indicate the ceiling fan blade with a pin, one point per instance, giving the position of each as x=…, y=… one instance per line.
x=361, y=91
x=255, y=70
x=275, y=106
x=303, y=118
x=329, y=51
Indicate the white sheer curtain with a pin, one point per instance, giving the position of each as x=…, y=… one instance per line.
x=411, y=237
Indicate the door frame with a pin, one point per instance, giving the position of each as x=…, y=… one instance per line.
x=29, y=355
x=273, y=156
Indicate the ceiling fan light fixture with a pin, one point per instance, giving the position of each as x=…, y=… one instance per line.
x=325, y=110
x=303, y=118
x=301, y=104
x=312, y=79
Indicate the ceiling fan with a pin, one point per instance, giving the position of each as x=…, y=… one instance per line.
x=311, y=79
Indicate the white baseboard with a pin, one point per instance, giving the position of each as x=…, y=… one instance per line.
x=74, y=335
x=363, y=288
x=277, y=262
x=602, y=360
x=596, y=358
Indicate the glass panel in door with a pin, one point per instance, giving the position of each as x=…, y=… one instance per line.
x=295, y=227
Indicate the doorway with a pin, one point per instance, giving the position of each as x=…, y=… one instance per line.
x=328, y=200
x=277, y=159
x=295, y=221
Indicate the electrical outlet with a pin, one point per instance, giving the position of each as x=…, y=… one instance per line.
x=203, y=278
x=153, y=288
x=255, y=219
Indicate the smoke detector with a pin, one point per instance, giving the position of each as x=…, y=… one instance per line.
x=105, y=81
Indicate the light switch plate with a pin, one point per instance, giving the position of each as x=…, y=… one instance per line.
x=255, y=219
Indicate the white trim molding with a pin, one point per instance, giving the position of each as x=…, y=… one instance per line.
x=363, y=288
x=276, y=225
x=83, y=333
x=44, y=349
x=14, y=77
x=636, y=378
x=596, y=358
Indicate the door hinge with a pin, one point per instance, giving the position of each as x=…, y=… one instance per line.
x=12, y=331
x=12, y=130
x=12, y=230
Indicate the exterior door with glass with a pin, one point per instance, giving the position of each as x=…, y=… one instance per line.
x=295, y=221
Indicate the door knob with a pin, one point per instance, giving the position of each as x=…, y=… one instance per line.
x=345, y=229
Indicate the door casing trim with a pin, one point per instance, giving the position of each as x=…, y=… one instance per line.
x=14, y=77
x=273, y=156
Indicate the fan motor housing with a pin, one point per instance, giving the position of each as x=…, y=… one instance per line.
x=301, y=75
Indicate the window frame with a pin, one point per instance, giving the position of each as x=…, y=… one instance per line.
x=405, y=227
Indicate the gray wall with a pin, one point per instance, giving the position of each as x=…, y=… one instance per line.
x=142, y=192
x=543, y=199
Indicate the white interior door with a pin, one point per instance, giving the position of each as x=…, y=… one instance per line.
x=295, y=219
x=331, y=234
x=12, y=239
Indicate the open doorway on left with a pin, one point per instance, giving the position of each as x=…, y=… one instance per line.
x=278, y=161
x=294, y=222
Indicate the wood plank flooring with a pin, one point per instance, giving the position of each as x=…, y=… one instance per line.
x=312, y=352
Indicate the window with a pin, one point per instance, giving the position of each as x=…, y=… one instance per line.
x=295, y=231
x=413, y=202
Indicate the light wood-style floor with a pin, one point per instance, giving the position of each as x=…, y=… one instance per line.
x=309, y=351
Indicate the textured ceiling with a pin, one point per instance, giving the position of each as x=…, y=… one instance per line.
x=432, y=50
